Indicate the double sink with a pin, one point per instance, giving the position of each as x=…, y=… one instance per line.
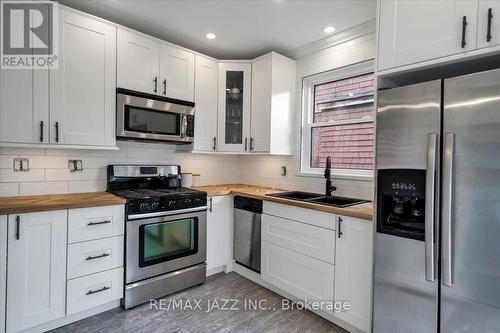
x=316, y=198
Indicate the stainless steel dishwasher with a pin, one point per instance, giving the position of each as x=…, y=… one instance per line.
x=247, y=221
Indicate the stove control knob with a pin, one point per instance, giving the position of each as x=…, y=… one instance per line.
x=188, y=201
x=155, y=205
x=171, y=203
x=144, y=206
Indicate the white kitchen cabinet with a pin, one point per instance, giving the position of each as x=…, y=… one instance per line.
x=92, y=223
x=488, y=24
x=138, y=62
x=300, y=275
x=37, y=268
x=415, y=31
x=205, y=92
x=83, y=88
x=235, y=83
x=353, y=270
x=273, y=104
x=3, y=269
x=176, y=73
x=218, y=232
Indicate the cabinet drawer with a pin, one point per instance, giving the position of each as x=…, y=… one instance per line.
x=94, y=256
x=309, y=216
x=93, y=290
x=302, y=276
x=95, y=223
x=303, y=238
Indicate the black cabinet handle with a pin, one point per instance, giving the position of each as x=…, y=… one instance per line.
x=251, y=143
x=57, y=131
x=340, y=232
x=211, y=207
x=464, y=25
x=165, y=87
x=18, y=227
x=490, y=17
x=97, y=257
x=156, y=84
x=98, y=223
x=246, y=143
x=41, y=131
x=214, y=143
x=90, y=292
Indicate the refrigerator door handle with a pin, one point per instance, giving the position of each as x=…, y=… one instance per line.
x=446, y=213
x=430, y=189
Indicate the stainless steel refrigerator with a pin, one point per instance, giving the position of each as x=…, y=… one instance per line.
x=437, y=245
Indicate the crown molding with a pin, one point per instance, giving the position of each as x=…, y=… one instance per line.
x=335, y=39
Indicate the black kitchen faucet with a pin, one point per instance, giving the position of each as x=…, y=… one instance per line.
x=329, y=187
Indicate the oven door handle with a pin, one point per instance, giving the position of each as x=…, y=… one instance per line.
x=167, y=213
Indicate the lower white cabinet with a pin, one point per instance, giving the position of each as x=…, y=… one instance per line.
x=353, y=270
x=297, y=274
x=93, y=290
x=37, y=268
x=94, y=256
x=218, y=232
x=95, y=222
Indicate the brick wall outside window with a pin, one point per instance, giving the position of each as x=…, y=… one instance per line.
x=349, y=144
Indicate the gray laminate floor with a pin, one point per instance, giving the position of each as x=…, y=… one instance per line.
x=217, y=290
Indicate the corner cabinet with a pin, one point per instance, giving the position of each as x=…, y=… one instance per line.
x=353, y=270
x=37, y=269
x=415, y=31
x=235, y=82
x=205, y=99
x=148, y=65
x=273, y=104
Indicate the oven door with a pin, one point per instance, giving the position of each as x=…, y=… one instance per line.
x=159, y=245
x=144, y=118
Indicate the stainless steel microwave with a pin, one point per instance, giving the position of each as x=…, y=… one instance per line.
x=142, y=116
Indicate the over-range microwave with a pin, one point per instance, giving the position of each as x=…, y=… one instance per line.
x=141, y=116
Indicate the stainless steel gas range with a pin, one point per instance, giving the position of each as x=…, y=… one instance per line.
x=165, y=232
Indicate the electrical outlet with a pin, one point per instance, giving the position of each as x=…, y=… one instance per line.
x=21, y=165
x=75, y=165
x=283, y=170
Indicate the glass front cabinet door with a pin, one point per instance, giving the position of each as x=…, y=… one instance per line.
x=234, y=107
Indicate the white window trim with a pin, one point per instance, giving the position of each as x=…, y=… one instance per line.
x=308, y=84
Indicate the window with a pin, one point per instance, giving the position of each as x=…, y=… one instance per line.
x=338, y=113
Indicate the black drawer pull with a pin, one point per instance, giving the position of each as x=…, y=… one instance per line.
x=18, y=227
x=156, y=84
x=98, y=223
x=340, y=233
x=90, y=292
x=41, y=131
x=57, y=131
x=490, y=17
x=464, y=25
x=97, y=257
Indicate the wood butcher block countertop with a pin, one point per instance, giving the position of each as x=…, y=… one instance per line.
x=38, y=203
x=362, y=211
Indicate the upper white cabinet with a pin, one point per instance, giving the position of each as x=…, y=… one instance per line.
x=149, y=66
x=205, y=92
x=273, y=104
x=415, y=31
x=176, y=73
x=138, y=62
x=72, y=105
x=37, y=269
x=488, y=24
x=353, y=270
x=218, y=232
x=82, y=89
x=235, y=83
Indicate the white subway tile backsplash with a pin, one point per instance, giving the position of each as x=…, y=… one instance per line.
x=34, y=175
x=39, y=188
x=86, y=186
x=65, y=174
x=9, y=189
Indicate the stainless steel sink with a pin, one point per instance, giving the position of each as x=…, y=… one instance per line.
x=318, y=198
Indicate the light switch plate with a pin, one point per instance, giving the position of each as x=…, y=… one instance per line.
x=21, y=164
x=75, y=165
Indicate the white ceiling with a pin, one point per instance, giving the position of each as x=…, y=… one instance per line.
x=244, y=28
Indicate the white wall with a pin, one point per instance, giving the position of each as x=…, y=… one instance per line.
x=266, y=169
x=49, y=171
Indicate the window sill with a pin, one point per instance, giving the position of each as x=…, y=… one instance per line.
x=336, y=175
